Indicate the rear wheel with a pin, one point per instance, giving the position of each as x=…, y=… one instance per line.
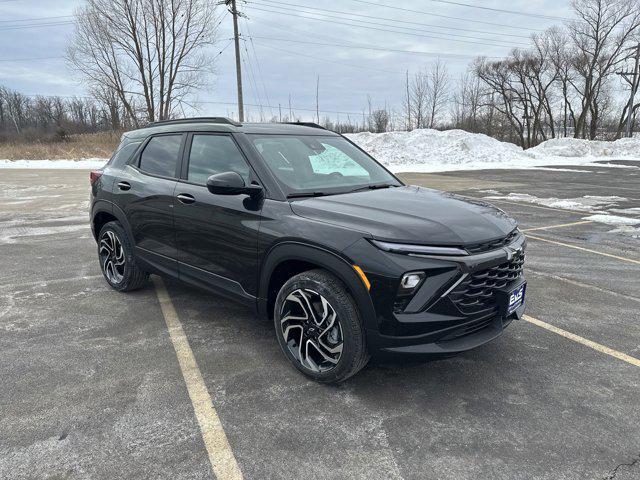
x=117, y=260
x=319, y=328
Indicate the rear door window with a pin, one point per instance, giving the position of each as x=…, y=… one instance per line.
x=161, y=155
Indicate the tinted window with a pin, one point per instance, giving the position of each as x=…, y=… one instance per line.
x=160, y=156
x=211, y=154
x=123, y=154
x=316, y=163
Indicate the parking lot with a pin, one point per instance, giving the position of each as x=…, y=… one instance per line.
x=98, y=384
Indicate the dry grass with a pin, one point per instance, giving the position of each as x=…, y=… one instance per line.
x=89, y=145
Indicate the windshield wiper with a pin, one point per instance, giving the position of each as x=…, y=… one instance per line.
x=306, y=194
x=372, y=187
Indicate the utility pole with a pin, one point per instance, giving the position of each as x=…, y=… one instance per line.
x=231, y=4
x=633, y=78
x=408, y=105
x=317, y=103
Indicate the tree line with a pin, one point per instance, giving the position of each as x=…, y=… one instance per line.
x=36, y=118
x=144, y=60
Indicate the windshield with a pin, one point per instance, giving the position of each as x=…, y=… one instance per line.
x=318, y=165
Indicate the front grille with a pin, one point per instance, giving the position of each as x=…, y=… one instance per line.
x=477, y=292
x=492, y=245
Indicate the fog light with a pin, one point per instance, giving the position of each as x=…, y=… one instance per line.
x=410, y=281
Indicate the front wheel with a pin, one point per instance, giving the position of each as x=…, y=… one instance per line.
x=318, y=327
x=117, y=260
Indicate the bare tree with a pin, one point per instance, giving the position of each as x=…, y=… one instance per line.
x=150, y=54
x=467, y=103
x=379, y=120
x=561, y=56
x=601, y=35
x=437, y=91
x=418, y=99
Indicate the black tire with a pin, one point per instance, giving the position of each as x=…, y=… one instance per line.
x=129, y=275
x=353, y=356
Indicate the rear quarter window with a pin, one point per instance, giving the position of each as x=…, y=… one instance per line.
x=123, y=154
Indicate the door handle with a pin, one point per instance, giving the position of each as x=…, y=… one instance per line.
x=124, y=185
x=186, y=198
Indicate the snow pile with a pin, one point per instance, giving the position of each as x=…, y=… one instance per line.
x=586, y=203
x=427, y=150
x=87, y=163
x=575, y=147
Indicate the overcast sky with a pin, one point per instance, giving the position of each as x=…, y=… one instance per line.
x=292, y=48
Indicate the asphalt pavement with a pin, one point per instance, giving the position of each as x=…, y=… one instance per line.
x=94, y=385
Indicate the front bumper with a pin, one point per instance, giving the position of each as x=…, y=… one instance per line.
x=461, y=335
x=442, y=318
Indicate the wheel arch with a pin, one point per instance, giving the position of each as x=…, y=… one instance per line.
x=290, y=258
x=104, y=212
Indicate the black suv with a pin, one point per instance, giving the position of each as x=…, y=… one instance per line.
x=307, y=228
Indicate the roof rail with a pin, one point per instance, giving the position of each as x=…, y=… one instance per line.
x=179, y=121
x=305, y=124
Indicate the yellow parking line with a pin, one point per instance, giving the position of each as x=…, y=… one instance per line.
x=582, y=222
x=624, y=259
x=577, y=338
x=223, y=462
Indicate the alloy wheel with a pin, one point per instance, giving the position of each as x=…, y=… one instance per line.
x=311, y=330
x=112, y=257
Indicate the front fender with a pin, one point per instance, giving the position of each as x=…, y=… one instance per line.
x=338, y=265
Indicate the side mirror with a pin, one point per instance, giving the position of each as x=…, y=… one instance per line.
x=231, y=183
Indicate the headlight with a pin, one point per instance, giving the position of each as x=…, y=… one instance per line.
x=410, y=249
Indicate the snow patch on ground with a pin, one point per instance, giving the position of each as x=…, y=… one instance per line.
x=612, y=219
x=587, y=203
x=555, y=169
x=87, y=163
x=625, y=226
x=11, y=235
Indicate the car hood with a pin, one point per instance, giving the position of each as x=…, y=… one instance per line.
x=410, y=214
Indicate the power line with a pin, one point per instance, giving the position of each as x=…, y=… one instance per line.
x=398, y=21
x=331, y=61
x=500, y=10
x=29, y=59
x=364, y=47
x=252, y=79
x=255, y=55
x=287, y=12
x=36, y=19
x=392, y=31
x=422, y=12
x=393, y=72
x=292, y=107
x=35, y=25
